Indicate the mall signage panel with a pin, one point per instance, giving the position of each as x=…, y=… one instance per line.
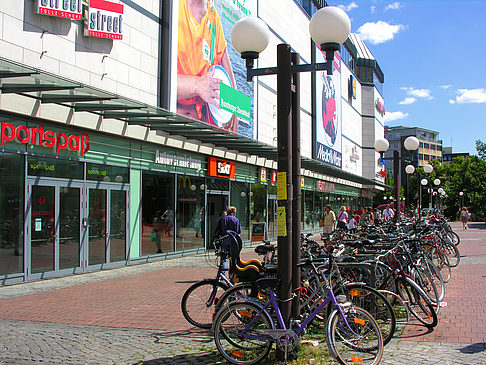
x=325, y=186
x=71, y=9
x=274, y=176
x=221, y=168
x=102, y=18
x=105, y=20
x=263, y=174
x=328, y=113
x=172, y=159
x=44, y=137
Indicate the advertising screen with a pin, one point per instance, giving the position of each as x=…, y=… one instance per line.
x=328, y=113
x=211, y=76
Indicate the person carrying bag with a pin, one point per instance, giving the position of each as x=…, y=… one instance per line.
x=342, y=218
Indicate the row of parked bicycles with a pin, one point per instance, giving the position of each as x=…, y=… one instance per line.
x=356, y=289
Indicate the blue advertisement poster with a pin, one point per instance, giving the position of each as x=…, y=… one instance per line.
x=328, y=113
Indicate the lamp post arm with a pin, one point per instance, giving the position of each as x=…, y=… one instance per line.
x=296, y=68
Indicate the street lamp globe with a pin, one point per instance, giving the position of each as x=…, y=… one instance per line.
x=440, y=190
x=461, y=193
x=411, y=143
x=443, y=193
x=250, y=36
x=385, y=197
x=437, y=182
x=329, y=27
x=410, y=169
x=428, y=168
x=424, y=182
x=381, y=144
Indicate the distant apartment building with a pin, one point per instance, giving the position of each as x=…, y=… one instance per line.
x=430, y=147
x=448, y=155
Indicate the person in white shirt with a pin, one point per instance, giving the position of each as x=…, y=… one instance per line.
x=388, y=213
x=352, y=223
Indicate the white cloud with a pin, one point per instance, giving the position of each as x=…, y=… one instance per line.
x=467, y=96
x=372, y=9
x=418, y=93
x=394, y=6
x=379, y=32
x=445, y=87
x=391, y=116
x=349, y=7
x=407, y=101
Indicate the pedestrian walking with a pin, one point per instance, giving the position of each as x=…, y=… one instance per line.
x=329, y=220
x=465, y=215
x=342, y=218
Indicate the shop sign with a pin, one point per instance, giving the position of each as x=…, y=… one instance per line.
x=380, y=107
x=354, y=157
x=352, y=87
x=263, y=174
x=221, y=168
x=302, y=182
x=325, y=186
x=47, y=138
x=171, y=159
x=274, y=176
x=104, y=20
x=71, y=9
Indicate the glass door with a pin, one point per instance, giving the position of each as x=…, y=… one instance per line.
x=53, y=226
x=106, y=223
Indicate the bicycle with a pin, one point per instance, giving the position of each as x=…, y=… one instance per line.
x=198, y=300
x=244, y=331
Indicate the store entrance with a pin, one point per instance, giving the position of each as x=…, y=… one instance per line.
x=216, y=204
x=73, y=226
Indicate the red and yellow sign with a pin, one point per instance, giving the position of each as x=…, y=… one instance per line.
x=71, y=9
x=221, y=168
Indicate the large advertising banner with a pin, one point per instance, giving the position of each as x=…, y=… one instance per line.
x=211, y=76
x=328, y=113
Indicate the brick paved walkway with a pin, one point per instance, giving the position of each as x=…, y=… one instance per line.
x=132, y=315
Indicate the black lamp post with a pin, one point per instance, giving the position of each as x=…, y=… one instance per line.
x=411, y=143
x=329, y=27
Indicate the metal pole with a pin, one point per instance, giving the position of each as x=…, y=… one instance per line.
x=284, y=150
x=296, y=204
x=420, y=196
x=396, y=177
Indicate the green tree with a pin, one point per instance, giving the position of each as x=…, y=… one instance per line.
x=469, y=176
x=481, y=148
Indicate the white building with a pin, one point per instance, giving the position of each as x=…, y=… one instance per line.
x=105, y=158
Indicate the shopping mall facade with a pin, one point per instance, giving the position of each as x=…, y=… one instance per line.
x=105, y=161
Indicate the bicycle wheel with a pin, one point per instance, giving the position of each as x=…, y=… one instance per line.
x=430, y=267
x=418, y=303
x=441, y=261
x=375, y=303
x=239, y=332
x=198, y=301
x=354, y=337
x=452, y=253
x=232, y=294
x=424, y=279
x=453, y=237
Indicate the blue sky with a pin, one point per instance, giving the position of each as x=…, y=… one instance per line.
x=433, y=55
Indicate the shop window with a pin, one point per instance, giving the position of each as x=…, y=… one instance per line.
x=258, y=203
x=157, y=212
x=11, y=213
x=190, y=213
x=54, y=167
x=240, y=197
x=107, y=173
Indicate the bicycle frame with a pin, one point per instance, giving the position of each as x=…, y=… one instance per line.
x=272, y=302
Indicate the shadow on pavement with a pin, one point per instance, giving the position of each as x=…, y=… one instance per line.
x=198, y=358
x=476, y=225
x=413, y=330
x=473, y=348
x=200, y=335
